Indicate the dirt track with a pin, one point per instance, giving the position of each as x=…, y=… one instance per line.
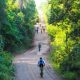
x=26, y=64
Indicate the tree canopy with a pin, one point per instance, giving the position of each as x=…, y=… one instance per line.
x=17, y=19
x=63, y=25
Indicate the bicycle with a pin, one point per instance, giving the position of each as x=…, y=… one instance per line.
x=41, y=64
x=41, y=71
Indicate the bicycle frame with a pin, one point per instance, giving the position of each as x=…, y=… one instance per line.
x=41, y=71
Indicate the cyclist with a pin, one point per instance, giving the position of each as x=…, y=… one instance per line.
x=41, y=64
x=37, y=29
x=39, y=47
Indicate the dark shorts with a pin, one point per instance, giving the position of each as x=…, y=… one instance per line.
x=41, y=65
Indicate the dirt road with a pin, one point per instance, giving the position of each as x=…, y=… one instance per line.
x=26, y=64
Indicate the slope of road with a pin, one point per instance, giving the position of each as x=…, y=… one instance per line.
x=26, y=64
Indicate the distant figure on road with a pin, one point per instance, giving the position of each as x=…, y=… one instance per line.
x=37, y=29
x=39, y=47
x=43, y=29
x=40, y=24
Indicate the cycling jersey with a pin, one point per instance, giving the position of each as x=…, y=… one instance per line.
x=41, y=62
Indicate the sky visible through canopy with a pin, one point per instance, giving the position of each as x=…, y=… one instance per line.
x=38, y=2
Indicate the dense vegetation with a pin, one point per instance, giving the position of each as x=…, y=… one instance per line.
x=17, y=19
x=63, y=25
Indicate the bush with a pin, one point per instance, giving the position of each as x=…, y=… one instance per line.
x=69, y=76
x=6, y=66
x=72, y=63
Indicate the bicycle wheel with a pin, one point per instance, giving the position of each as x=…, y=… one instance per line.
x=41, y=73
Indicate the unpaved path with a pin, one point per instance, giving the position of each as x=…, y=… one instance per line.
x=26, y=64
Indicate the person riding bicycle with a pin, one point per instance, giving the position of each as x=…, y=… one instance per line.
x=41, y=64
x=39, y=47
x=37, y=29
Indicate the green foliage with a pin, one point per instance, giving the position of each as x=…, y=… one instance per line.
x=63, y=26
x=6, y=67
x=1, y=43
x=16, y=31
x=69, y=76
x=17, y=26
x=72, y=62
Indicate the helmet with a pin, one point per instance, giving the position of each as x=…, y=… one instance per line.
x=40, y=57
